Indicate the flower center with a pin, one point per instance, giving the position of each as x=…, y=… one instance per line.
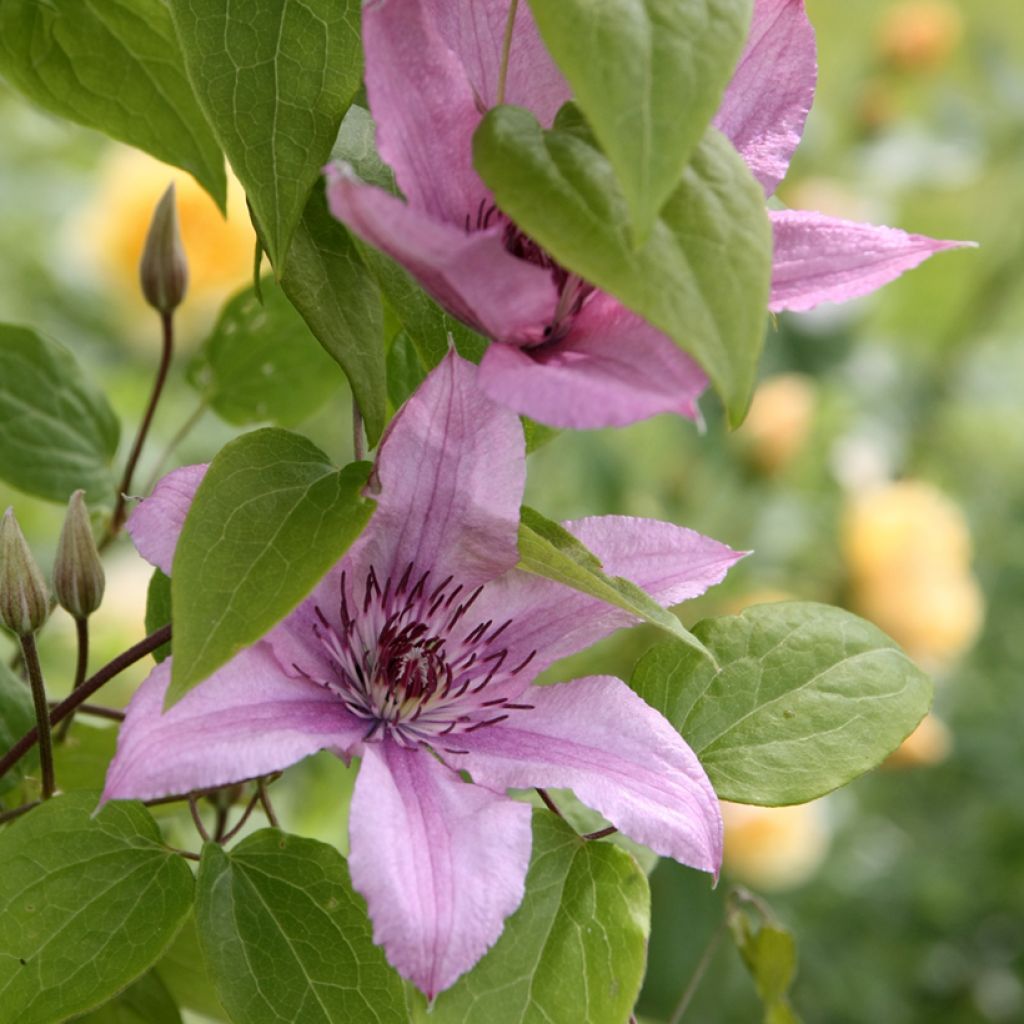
x=407, y=662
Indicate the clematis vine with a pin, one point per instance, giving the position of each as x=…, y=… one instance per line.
x=564, y=352
x=417, y=653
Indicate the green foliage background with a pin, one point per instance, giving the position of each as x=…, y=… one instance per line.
x=917, y=914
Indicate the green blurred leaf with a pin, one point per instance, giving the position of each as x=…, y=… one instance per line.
x=260, y=363
x=271, y=516
x=274, y=78
x=575, y=949
x=769, y=952
x=805, y=698
x=57, y=431
x=702, y=276
x=114, y=65
x=158, y=609
x=547, y=549
x=649, y=76
x=287, y=939
x=406, y=371
x=146, y=1001
x=328, y=283
x=87, y=904
x=81, y=760
x=183, y=971
x=17, y=716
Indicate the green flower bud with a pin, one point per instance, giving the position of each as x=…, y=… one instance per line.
x=163, y=270
x=24, y=601
x=78, y=578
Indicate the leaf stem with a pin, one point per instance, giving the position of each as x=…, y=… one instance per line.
x=119, y=515
x=17, y=812
x=268, y=808
x=197, y=818
x=601, y=833
x=113, y=668
x=698, y=973
x=35, y=677
x=249, y=808
x=549, y=803
x=506, y=49
x=182, y=432
x=81, y=666
x=97, y=710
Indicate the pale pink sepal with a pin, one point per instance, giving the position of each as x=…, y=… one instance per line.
x=765, y=105
x=613, y=368
x=823, y=259
x=247, y=719
x=618, y=755
x=156, y=522
x=440, y=862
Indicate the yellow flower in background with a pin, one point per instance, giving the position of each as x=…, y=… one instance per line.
x=773, y=848
x=908, y=551
x=930, y=743
x=779, y=422
x=113, y=229
x=918, y=35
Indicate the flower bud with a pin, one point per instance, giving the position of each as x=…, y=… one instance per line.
x=78, y=578
x=163, y=270
x=24, y=601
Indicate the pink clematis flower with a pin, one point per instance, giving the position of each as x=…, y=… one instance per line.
x=417, y=653
x=568, y=354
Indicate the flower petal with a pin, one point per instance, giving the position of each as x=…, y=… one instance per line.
x=156, y=522
x=247, y=719
x=613, y=368
x=440, y=862
x=598, y=738
x=824, y=259
x=475, y=31
x=670, y=562
x=469, y=272
x=766, y=104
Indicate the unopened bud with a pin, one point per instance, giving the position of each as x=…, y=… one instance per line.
x=163, y=270
x=77, y=571
x=24, y=601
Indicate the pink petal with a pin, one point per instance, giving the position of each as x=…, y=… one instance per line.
x=766, y=103
x=424, y=107
x=823, y=259
x=613, y=368
x=598, y=738
x=440, y=862
x=670, y=562
x=468, y=271
x=155, y=524
x=475, y=31
x=247, y=719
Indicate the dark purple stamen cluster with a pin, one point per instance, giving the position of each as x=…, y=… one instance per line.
x=407, y=662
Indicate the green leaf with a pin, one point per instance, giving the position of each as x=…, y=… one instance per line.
x=271, y=516
x=328, y=283
x=57, y=431
x=769, y=952
x=575, y=949
x=17, y=716
x=147, y=1001
x=549, y=550
x=274, y=78
x=702, y=276
x=87, y=904
x=158, y=609
x=805, y=698
x=81, y=760
x=649, y=76
x=114, y=65
x=183, y=971
x=287, y=939
x=261, y=363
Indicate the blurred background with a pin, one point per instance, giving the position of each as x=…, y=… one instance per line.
x=880, y=469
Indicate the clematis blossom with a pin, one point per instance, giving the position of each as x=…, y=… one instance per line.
x=564, y=352
x=417, y=653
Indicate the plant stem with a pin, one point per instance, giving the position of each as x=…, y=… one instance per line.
x=17, y=812
x=82, y=664
x=358, y=448
x=182, y=432
x=506, y=49
x=197, y=818
x=113, y=668
x=118, y=518
x=601, y=833
x=698, y=974
x=97, y=710
x=249, y=808
x=268, y=809
x=549, y=803
x=35, y=676
x=187, y=854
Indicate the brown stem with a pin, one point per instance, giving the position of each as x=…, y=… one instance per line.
x=113, y=668
x=35, y=676
x=17, y=812
x=96, y=710
x=549, y=803
x=119, y=515
x=249, y=808
x=601, y=833
x=268, y=809
x=197, y=818
x=187, y=854
x=81, y=666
